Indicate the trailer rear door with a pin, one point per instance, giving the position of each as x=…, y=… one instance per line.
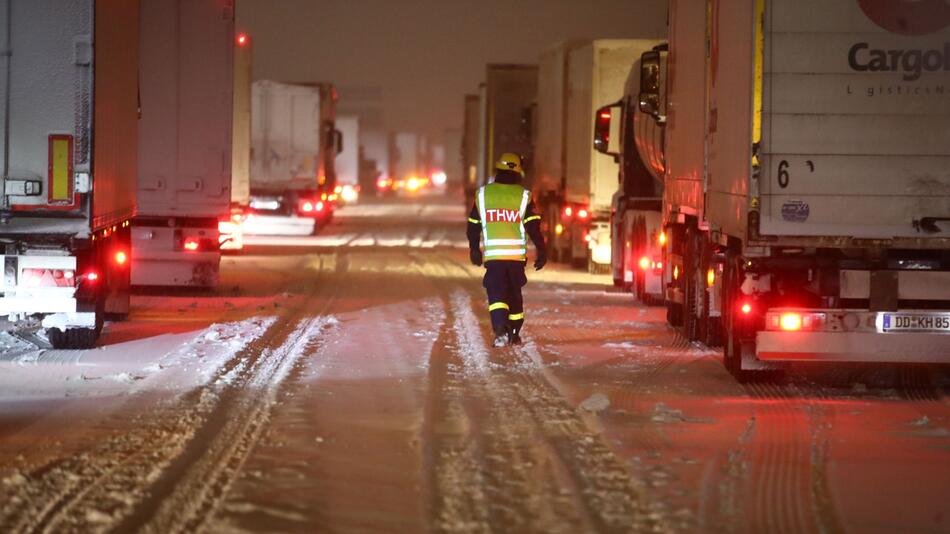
x=855, y=117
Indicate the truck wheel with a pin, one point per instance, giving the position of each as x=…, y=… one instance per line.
x=73, y=338
x=597, y=268
x=674, y=313
x=691, y=308
x=737, y=352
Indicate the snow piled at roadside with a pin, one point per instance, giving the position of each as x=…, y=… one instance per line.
x=171, y=362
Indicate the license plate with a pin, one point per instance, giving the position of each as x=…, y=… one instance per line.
x=916, y=322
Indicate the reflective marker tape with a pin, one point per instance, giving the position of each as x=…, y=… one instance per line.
x=498, y=306
x=506, y=252
x=503, y=242
x=532, y=218
x=516, y=316
x=474, y=221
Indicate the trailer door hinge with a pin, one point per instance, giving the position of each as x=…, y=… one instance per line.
x=22, y=188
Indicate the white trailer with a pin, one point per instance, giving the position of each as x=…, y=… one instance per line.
x=817, y=226
x=68, y=110
x=636, y=208
x=231, y=233
x=184, y=180
x=348, y=160
x=293, y=144
x=596, y=74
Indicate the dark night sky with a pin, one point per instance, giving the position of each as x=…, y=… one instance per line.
x=425, y=54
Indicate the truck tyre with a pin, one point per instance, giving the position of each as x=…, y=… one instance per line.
x=73, y=338
x=737, y=351
x=597, y=268
x=691, y=287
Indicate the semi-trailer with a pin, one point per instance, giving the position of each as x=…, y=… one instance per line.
x=575, y=184
x=348, y=160
x=637, y=204
x=69, y=151
x=470, y=143
x=806, y=206
x=509, y=91
x=294, y=142
x=230, y=229
x=185, y=140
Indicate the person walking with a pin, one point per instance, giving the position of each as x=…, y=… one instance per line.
x=504, y=217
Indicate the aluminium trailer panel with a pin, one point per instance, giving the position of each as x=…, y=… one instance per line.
x=348, y=160
x=509, y=91
x=597, y=73
x=685, y=108
x=285, y=136
x=68, y=93
x=851, y=120
x=241, y=123
x=186, y=91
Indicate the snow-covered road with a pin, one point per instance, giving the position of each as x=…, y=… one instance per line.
x=343, y=382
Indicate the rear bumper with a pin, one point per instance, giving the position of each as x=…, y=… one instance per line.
x=18, y=298
x=902, y=347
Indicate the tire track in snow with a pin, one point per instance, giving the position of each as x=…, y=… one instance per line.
x=594, y=486
x=789, y=462
x=457, y=491
x=523, y=484
x=198, y=492
x=55, y=496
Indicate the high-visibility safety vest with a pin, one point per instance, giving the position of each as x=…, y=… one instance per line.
x=502, y=208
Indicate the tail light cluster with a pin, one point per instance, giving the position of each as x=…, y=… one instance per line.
x=48, y=277
x=310, y=207
x=197, y=244
x=580, y=213
x=792, y=321
x=650, y=264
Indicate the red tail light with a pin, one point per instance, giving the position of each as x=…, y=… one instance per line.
x=48, y=277
x=582, y=213
x=568, y=211
x=241, y=39
x=92, y=276
x=191, y=244
x=794, y=321
x=645, y=263
x=745, y=307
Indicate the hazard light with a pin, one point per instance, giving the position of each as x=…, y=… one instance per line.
x=558, y=229
x=121, y=257
x=568, y=211
x=582, y=213
x=191, y=244
x=645, y=263
x=710, y=277
x=661, y=239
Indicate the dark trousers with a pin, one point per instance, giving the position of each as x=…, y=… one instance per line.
x=503, y=282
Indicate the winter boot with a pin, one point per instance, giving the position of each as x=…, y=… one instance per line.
x=514, y=338
x=501, y=340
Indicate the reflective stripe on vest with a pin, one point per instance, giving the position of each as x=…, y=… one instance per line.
x=502, y=208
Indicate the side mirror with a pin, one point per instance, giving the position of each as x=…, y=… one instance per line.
x=603, y=122
x=650, y=84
